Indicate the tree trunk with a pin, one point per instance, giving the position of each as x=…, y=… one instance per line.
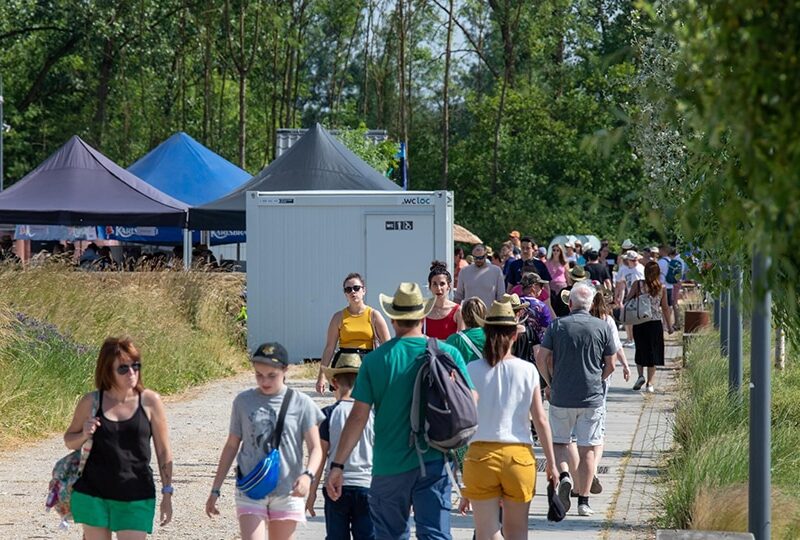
x=242, y=118
x=104, y=81
x=446, y=98
x=207, y=75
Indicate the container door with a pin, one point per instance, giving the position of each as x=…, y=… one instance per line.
x=399, y=248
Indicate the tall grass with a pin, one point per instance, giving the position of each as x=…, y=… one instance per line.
x=706, y=473
x=53, y=320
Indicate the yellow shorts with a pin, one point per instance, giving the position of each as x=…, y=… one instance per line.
x=505, y=470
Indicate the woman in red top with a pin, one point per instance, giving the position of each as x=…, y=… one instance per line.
x=445, y=317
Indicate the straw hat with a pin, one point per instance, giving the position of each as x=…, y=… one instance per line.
x=515, y=302
x=565, y=295
x=627, y=244
x=500, y=314
x=346, y=363
x=577, y=273
x=407, y=303
x=631, y=256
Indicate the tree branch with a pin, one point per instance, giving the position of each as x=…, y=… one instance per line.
x=30, y=30
x=469, y=37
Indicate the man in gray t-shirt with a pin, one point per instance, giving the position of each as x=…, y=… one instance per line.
x=576, y=355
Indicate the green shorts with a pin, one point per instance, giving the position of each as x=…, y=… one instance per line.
x=113, y=515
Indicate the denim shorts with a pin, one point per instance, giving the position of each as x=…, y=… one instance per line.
x=586, y=424
x=272, y=508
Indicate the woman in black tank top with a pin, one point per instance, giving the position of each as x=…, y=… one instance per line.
x=116, y=491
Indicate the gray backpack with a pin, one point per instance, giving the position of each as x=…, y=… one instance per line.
x=443, y=411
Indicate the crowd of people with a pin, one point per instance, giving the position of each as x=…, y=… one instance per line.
x=533, y=325
x=128, y=258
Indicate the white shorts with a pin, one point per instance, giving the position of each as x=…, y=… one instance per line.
x=587, y=425
x=272, y=508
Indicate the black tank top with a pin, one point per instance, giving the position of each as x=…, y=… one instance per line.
x=118, y=467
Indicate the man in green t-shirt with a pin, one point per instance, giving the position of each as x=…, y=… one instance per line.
x=386, y=381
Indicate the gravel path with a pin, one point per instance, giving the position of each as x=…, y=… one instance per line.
x=198, y=427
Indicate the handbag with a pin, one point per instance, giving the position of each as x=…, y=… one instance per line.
x=66, y=472
x=638, y=309
x=263, y=478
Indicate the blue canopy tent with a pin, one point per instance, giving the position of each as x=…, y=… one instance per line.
x=188, y=171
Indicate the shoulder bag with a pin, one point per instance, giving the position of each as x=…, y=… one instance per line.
x=66, y=472
x=263, y=479
x=638, y=309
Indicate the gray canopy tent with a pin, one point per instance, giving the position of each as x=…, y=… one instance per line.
x=318, y=161
x=77, y=185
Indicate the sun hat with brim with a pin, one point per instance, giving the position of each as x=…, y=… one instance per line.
x=345, y=363
x=407, y=303
x=272, y=354
x=500, y=314
x=531, y=278
x=565, y=296
x=627, y=244
x=516, y=303
x=653, y=249
x=577, y=273
x=631, y=256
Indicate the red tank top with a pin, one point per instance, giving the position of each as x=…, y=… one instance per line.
x=444, y=327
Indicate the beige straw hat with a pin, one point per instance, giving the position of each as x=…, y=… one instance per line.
x=407, y=303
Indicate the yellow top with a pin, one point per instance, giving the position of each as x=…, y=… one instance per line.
x=356, y=330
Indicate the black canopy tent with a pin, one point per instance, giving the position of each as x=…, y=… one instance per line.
x=77, y=185
x=317, y=161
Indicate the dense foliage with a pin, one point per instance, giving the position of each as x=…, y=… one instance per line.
x=501, y=101
x=718, y=130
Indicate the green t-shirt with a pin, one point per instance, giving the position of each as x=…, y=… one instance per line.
x=476, y=336
x=386, y=381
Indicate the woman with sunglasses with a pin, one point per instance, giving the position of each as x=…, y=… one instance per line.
x=116, y=491
x=356, y=329
x=445, y=317
x=559, y=274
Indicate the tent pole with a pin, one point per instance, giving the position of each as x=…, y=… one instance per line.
x=187, y=249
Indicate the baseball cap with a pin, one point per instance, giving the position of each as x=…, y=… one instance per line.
x=272, y=354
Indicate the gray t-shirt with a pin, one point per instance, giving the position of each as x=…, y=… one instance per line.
x=253, y=419
x=358, y=467
x=580, y=344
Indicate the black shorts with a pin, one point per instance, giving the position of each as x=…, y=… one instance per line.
x=669, y=297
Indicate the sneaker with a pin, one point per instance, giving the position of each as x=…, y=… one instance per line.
x=564, y=489
x=585, y=510
x=597, y=487
x=627, y=343
x=639, y=383
x=650, y=389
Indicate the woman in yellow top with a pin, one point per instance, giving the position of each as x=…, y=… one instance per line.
x=357, y=328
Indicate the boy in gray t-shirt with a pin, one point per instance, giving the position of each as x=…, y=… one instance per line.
x=351, y=511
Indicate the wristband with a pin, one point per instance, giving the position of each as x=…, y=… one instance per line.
x=335, y=465
x=215, y=492
x=167, y=490
x=308, y=473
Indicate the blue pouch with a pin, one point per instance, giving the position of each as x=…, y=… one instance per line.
x=263, y=479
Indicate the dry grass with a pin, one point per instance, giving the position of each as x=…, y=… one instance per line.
x=725, y=509
x=184, y=324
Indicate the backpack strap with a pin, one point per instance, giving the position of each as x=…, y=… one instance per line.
x=470, y=344
x=276, y=435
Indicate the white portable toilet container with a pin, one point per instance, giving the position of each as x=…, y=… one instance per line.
x=302, y=244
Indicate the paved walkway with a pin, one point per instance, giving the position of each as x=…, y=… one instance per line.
x=638, y=431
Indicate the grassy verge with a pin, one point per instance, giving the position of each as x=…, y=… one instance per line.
x=52, y=322
x=708, y=472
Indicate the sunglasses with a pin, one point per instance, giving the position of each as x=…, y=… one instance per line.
x=123, y=369
x=479, y=257
x=354, y=288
